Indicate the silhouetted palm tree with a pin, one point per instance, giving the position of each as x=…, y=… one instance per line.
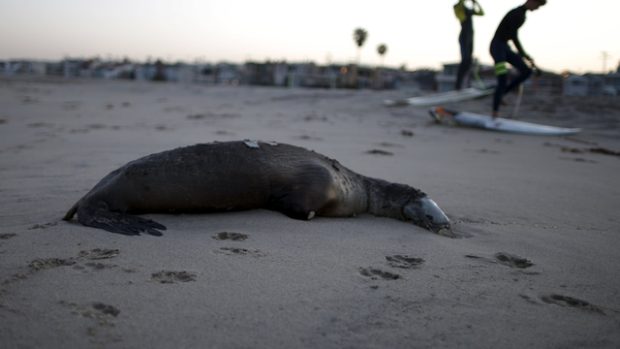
x=359, y=35
x=382, y=49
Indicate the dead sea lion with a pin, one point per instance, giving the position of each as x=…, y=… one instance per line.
x=244, y=175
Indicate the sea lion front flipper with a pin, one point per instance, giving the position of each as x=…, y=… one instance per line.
x=98, y=216
x=302, y=195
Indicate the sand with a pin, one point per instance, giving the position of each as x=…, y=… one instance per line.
x=537, y=265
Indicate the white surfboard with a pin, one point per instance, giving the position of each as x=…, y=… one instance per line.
x=440, y=98
x=445, y=116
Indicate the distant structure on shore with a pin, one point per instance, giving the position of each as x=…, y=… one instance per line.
x=280, y=74
x=592, y=85
x=308, y=75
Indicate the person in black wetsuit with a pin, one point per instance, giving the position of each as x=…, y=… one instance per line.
x=502, y=54
x=466, y=38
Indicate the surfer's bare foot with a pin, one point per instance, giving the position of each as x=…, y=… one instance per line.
x=495, y=115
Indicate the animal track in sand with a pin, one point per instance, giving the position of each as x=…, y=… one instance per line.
x=170, y=277
x=567, y=301
x=375, y=274
x=230, y=236
x=404, y=262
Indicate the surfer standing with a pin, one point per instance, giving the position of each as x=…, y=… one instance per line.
x=502, y=53
x=466, y=38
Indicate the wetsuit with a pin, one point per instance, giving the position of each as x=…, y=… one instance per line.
x=502, y=54
x=466, y=38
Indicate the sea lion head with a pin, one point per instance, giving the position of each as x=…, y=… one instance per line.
x=425, y=213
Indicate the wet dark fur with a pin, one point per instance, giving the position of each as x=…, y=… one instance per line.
x=233, y=176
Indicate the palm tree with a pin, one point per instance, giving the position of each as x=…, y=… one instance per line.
x=382, y=49
x=359, y=35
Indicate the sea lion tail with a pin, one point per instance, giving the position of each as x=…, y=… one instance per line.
x=99, y=216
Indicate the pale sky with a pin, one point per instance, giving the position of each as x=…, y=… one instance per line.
x=564, y=34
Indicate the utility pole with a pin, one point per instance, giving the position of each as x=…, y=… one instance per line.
x=605, y=56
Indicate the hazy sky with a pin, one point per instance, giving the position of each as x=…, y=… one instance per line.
x=564, y=34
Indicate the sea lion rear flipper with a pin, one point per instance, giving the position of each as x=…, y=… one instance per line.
x=98, y=216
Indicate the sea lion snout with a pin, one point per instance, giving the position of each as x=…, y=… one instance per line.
x=425, y=213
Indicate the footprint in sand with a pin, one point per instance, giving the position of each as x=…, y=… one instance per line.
x=507, y=259
x=49, y=263
x=407, y=133
x=375, y=274
x=70, y=105
x=212, y=116
x=232, y=251
x=389, y=145
x=43, y=226
x=94, y=254
x=567, y=301
x=106, y=309
x=224, y=133
x=379, y=152
x=103, y=314
x=315, y=117
x=96, y=266
x=171, y=277
x=404, y=262
x=513, y=261
x=99, y=253
x=487, y=151
x=29, y=100
x=582, y=160
x=230, y=236
x=309, y=138
x=162, y=127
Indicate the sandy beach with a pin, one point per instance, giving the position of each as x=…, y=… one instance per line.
x=537, y=263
